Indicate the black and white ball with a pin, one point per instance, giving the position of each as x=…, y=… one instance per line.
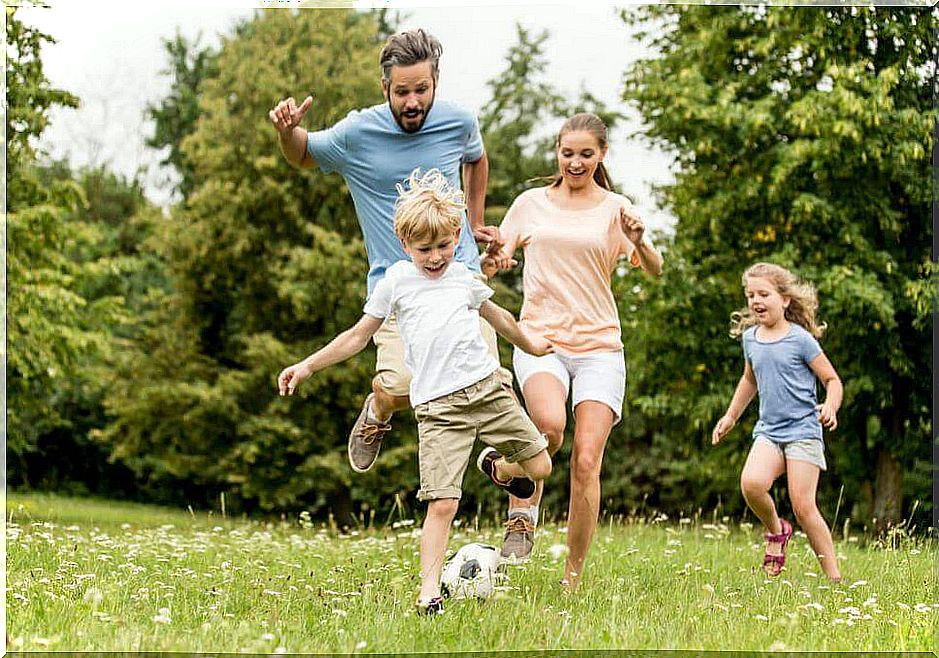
x=471, y=572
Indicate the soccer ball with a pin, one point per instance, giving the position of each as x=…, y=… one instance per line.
x=471, y=572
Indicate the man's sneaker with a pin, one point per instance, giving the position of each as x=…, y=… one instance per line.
x=518, y=487
x=429, y=608
x=365, y=439
x=519, y=539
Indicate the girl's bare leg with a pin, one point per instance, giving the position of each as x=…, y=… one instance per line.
x=802, y=478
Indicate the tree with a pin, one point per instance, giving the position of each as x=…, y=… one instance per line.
x=801, y=137
x=267, y=264
x=47, y=321
x=175, y=116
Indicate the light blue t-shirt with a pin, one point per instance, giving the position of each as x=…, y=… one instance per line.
x=373, y=154
x=786, y=384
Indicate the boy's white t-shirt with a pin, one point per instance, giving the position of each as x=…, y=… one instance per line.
x=438, y=320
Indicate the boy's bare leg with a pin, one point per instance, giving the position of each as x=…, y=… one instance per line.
x=384, y=404
x=537, y=468
x=436, y=530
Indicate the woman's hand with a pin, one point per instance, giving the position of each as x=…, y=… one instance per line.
x=632, y=225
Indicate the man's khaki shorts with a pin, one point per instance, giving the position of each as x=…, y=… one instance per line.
x=448, y=426
x=393, y=375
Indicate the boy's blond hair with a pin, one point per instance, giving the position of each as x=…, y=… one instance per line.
x=428, y=208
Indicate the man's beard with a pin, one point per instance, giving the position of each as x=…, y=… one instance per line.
x=399, y=115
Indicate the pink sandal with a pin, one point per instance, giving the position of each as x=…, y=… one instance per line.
x=773, y=564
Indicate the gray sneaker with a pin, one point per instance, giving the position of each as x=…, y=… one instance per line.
x=518, y=540
x=365, y=440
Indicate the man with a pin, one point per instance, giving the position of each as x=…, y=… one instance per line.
x=375, y=149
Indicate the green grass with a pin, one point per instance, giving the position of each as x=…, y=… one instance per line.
x=105, y=576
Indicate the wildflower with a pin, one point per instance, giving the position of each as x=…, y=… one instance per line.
x=163, y=617
x=761, y=617
x=558, y=551
x=921, y=607
x=858, y=583
x=267, y=637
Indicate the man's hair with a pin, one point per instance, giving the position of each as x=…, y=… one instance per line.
x=428, y=208
x=407, y=48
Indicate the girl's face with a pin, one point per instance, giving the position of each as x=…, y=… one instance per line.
x=765, y=302
x=579, y=154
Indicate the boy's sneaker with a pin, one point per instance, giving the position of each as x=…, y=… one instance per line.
x=519, y=539
x=429, y=607
x=518, y=487
x=365, y=439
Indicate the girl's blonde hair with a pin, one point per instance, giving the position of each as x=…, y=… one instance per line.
x=803, y=300
x=428, y=207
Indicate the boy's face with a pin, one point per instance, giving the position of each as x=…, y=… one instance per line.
x=431, y=256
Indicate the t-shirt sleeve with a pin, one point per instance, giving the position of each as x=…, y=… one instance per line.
x=330, y=147
x=809, y=346
x=478, y=292
x=380, y=301
x=473, y=148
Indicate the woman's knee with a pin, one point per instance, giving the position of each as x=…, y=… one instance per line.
x=586, y=465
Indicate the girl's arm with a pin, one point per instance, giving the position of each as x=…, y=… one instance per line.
x=746, y=389
x=834, y=391
x=506, y=326
x=349, y=343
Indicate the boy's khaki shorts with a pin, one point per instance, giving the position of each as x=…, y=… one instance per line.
x=448, y=426
x=393, y=375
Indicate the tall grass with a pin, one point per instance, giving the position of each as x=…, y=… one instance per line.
x=102, y=576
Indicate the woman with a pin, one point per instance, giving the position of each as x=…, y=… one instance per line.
x=573, y=233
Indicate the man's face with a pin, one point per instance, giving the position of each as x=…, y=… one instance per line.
x=410, y=94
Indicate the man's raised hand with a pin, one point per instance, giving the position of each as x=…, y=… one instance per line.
x=286, y=115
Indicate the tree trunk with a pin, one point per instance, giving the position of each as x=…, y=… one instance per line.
x=888, y=491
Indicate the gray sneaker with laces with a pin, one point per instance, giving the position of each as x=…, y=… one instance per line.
x=365, y=439
x=518, y=540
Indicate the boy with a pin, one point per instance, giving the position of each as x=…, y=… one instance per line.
x=454, y=389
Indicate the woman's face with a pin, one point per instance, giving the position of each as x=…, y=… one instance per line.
x=579, y=153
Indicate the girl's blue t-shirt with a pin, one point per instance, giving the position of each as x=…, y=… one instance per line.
x=373, y=155
x=786, y=384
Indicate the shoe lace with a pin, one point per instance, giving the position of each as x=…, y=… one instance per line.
x=370, y=433
x=519, y=524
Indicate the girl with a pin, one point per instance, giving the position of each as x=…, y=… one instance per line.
x=783, y=358
x=573, y=233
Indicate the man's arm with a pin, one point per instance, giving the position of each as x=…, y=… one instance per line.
x=475, y=180
x=293, y=139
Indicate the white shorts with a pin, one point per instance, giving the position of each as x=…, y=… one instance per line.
x=598, y=376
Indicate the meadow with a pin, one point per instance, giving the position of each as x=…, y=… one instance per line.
x=88, y=575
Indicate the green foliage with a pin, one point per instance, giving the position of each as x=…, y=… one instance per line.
x=801, y=137
x=175, y=116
